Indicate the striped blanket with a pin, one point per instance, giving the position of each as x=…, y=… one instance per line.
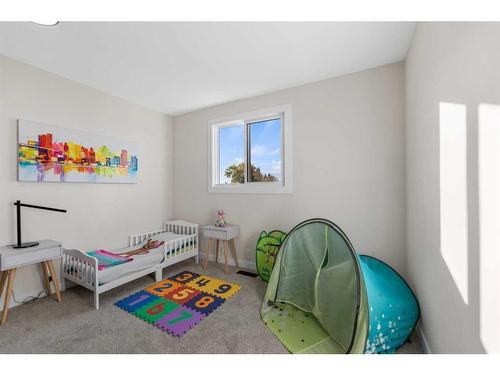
x=107, y=259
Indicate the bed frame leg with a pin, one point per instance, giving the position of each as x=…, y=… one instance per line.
x=158, y=275
x=96, y=300
x=197, y=259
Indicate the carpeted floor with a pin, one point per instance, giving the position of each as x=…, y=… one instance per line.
x=75, y=327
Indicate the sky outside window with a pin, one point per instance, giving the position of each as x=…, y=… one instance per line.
x=265, y=147
x=231, y=149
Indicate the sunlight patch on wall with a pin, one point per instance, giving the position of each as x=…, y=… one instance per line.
x=489, y=225
x=453, y=192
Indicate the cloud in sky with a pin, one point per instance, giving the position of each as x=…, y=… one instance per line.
x=263, y=150
x=273, y=167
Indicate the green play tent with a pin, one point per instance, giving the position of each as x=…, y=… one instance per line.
x=323, y=297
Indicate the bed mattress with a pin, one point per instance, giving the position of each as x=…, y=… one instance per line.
x=139, y=262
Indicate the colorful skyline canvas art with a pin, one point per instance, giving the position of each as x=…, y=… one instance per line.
x=49, y=153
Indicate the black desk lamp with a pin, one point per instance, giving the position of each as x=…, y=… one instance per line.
x=19, y=244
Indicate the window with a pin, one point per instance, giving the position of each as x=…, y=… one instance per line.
x=251, y=152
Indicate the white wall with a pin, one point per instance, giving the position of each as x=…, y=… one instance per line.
x=348, y=164
x=99, y=215
x=453, y=180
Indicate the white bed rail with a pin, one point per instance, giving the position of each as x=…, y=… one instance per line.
x=189, y=244
x=180, y=227
x=80, y=267
x=173, y=226
x=136, y=239
x=177, y=247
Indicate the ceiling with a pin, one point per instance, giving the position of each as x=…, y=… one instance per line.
x=180, y=67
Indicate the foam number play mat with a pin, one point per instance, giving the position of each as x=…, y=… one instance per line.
x=179, y=302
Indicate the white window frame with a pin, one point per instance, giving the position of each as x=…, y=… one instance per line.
x=285, y=186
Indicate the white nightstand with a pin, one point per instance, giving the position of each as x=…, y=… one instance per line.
x=225, y=234
x=11, y=259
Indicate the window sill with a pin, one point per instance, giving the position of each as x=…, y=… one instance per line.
x=250, y=189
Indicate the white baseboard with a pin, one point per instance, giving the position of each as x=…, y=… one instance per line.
x=423, y=340
x=243, y=263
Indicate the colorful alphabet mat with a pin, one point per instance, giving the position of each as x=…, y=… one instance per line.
x=179, y=302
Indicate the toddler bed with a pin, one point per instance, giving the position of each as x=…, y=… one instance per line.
x=180, y=242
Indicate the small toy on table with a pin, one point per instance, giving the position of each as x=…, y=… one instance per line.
x=221, y=221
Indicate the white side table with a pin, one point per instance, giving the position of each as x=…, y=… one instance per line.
x=11, y=259
x=225, y=234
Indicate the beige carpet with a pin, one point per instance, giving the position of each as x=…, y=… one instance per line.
x=75, y=327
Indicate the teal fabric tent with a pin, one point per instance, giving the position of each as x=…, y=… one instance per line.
x=323, y=297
